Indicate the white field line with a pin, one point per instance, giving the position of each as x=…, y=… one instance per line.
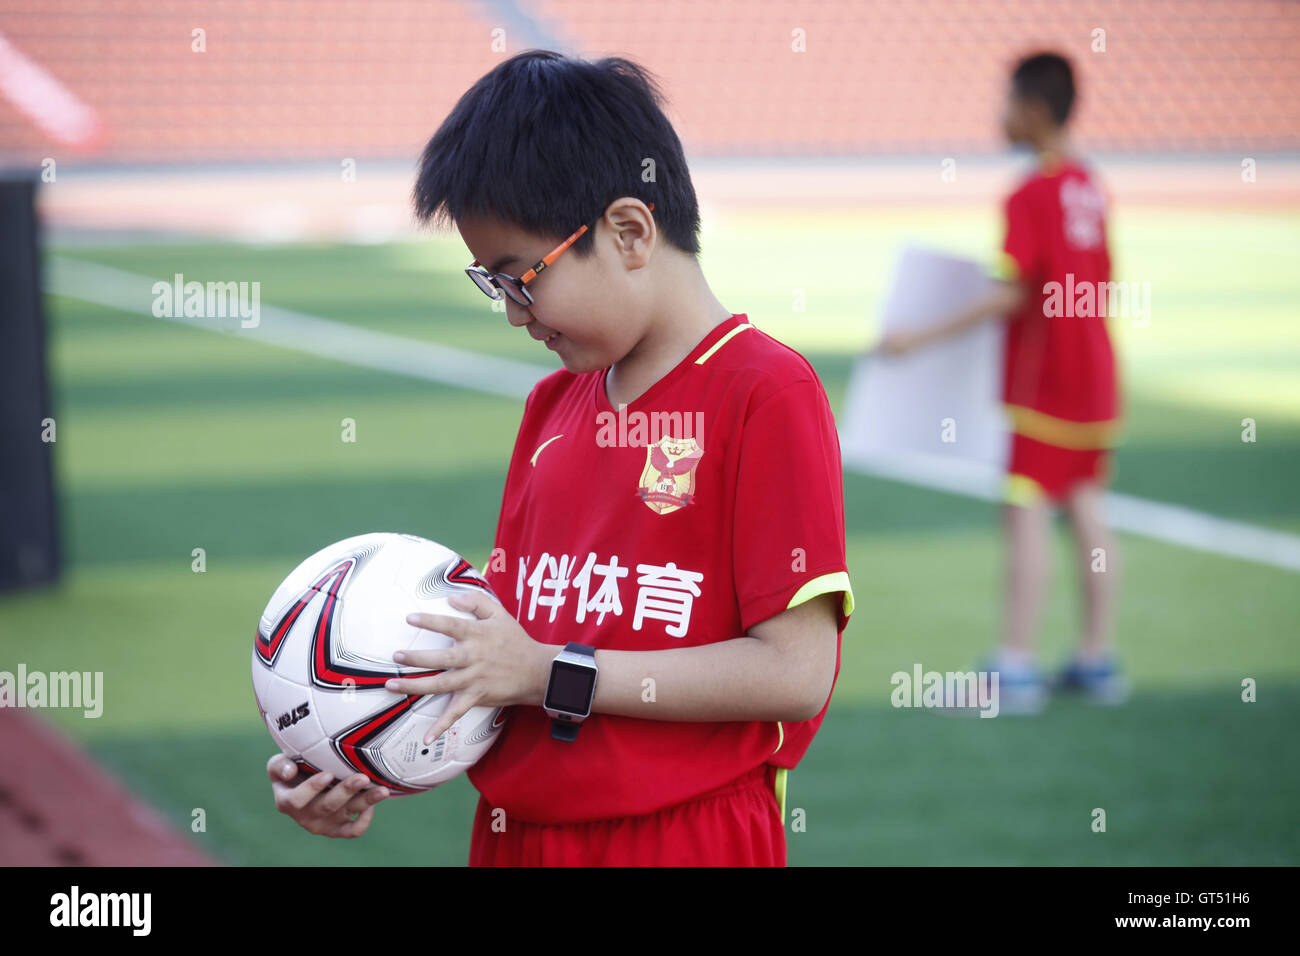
x=326, y=338
x=342, y=342
x=1173, y=524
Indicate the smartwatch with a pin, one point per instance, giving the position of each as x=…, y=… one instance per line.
x=570, y=690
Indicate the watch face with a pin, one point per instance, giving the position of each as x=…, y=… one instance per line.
x=570, y=688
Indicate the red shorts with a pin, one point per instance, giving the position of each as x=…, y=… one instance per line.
x=1040, y=471
x=738, y=824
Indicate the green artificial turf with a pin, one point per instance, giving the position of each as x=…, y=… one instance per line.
x=172, y=439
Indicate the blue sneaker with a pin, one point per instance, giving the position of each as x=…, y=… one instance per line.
x=1099, y=682
x=1021, y=689
x=1000, y=688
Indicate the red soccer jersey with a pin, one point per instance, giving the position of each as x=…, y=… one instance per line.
x=1059, y=371
x=709, y=504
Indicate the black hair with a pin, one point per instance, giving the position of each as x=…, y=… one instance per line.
x=546, y=142
x=1047, y=77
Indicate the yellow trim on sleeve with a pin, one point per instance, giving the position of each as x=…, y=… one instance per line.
x=823, y=584
x=1023, y=491
x=1005, y=268
x=1076, y=436
x=779, y=787
x=721, y=342
x=826, y=583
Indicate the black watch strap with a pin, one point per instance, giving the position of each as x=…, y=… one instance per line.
x=563, y=730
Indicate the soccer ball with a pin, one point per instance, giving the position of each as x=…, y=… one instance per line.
x=324, y=649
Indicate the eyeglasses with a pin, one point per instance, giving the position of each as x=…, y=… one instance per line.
x=494, y=284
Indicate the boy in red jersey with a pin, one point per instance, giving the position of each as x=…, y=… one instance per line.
x=670, y=551
x=1059, y=388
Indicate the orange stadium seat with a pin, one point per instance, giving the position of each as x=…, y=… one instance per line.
x=291, y=80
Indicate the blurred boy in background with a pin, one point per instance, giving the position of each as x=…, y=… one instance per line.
x=1059, y=388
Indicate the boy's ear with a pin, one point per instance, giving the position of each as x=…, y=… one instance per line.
x=631, y=227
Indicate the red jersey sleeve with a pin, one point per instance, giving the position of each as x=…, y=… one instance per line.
x=1024, y=249
x=788, y=529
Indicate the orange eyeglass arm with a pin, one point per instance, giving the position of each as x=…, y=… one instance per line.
x=531, y=274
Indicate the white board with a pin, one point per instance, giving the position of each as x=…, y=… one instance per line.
x=905, y=406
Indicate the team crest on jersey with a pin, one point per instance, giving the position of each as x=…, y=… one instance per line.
x=668, y=479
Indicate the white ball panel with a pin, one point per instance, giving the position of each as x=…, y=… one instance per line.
x=291, y=715
x=341, y=709
x=323, y=757
x=396, y=574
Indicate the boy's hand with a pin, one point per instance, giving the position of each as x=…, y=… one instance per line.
x=343, y=811
x=900, y=342
x=494, y=663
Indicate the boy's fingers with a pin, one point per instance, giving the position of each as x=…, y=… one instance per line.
x=309, y=790
x=340, y=795
x=354, y=828
x=414, y=685
x=457, y=628
x=280, y=768
x=480, y=605
x=446, y=682
x=438, y=729
x=440, y=660
x=366, y=798
x=456, y=709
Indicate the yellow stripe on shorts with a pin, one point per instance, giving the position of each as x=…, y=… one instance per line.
x=1050, y=430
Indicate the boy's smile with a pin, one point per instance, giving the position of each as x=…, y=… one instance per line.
x=571, y=297
x=505, y=247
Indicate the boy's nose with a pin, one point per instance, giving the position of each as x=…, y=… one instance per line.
x=516, y=314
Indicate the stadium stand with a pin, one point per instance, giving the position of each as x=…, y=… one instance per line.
x=288, y=80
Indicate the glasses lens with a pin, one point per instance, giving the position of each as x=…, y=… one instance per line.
x=484, y=283
x=516, y=291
